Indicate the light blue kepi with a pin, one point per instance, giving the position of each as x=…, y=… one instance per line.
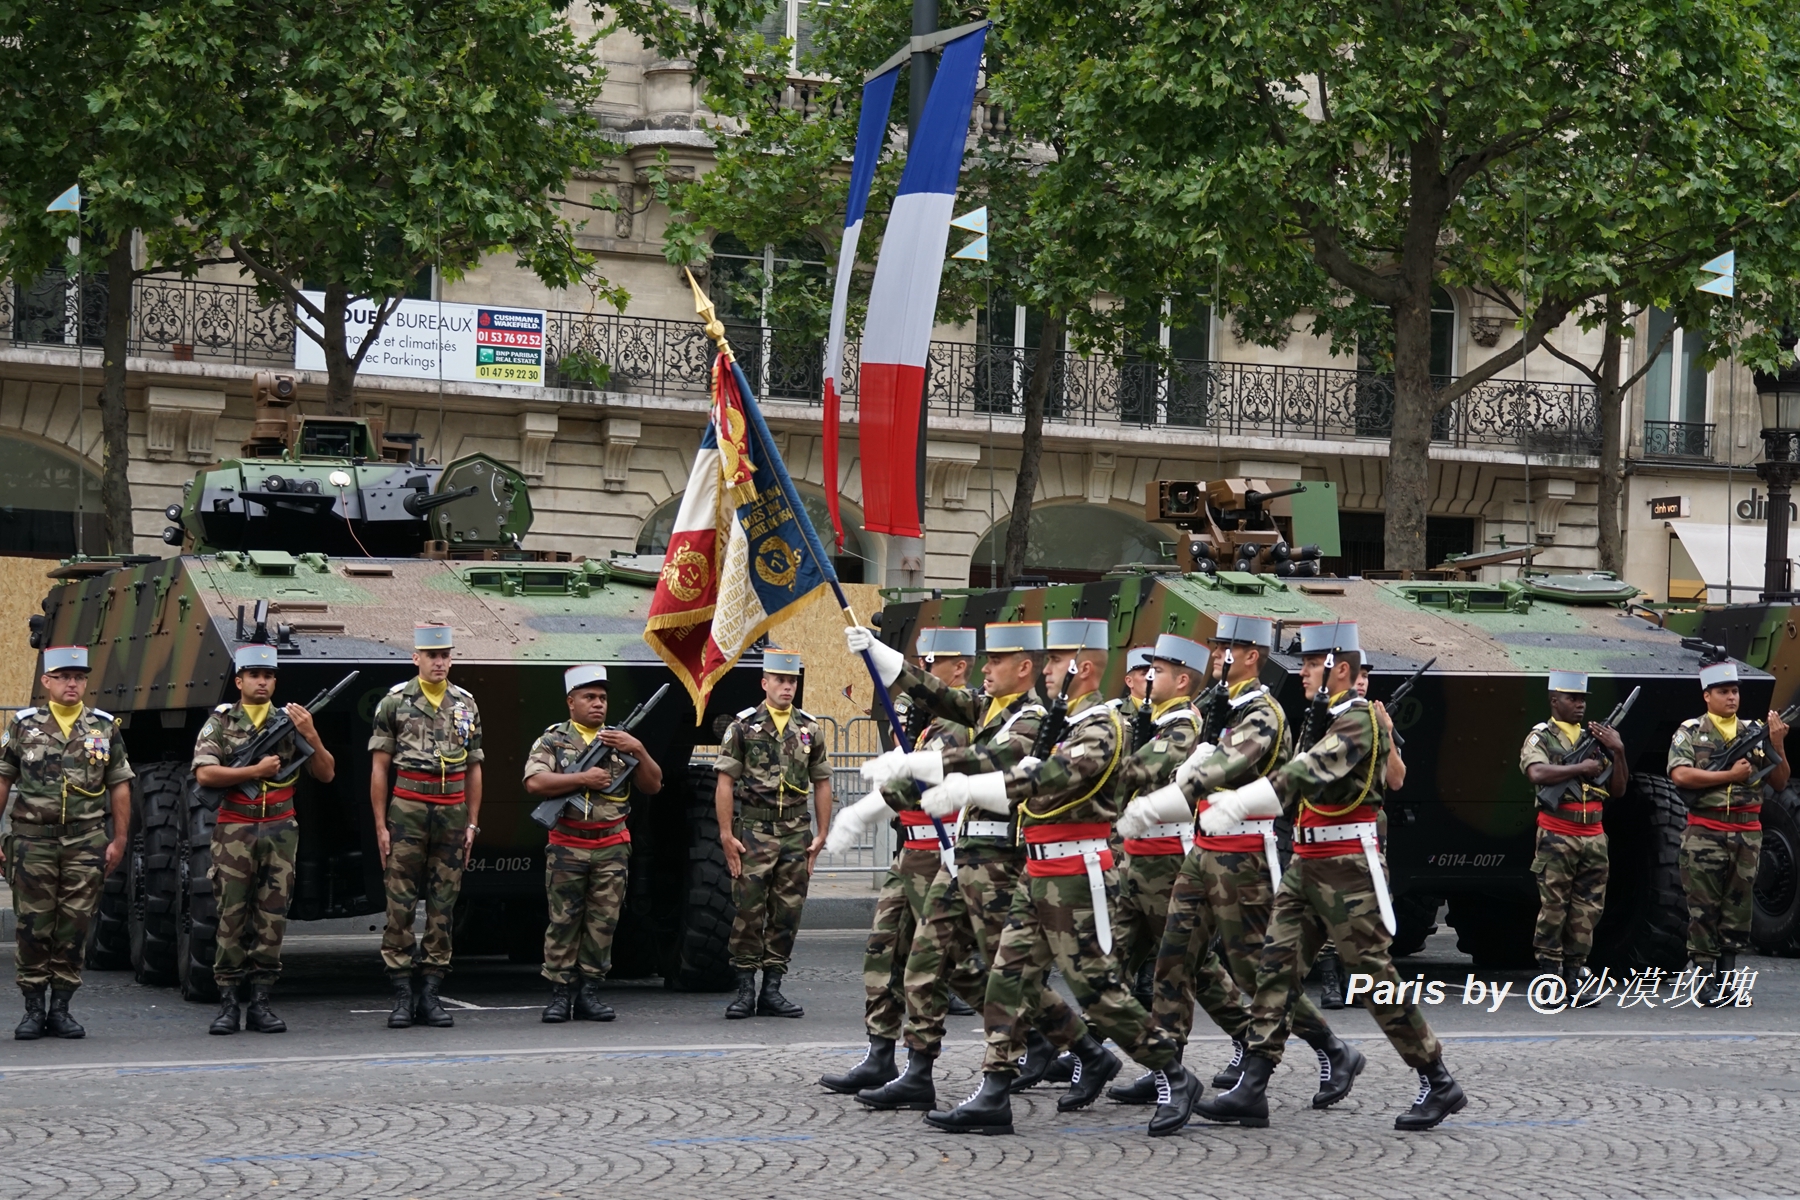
x=257, y=654
x=433, y=637
x=1574, y=682
x=65, y=658
x=582, y=676
x=780, y=662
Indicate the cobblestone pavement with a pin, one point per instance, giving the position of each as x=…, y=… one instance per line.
x=1636, y=1103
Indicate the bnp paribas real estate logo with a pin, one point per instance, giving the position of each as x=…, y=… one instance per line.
x=509, y=345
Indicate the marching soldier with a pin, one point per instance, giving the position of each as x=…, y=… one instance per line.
x=1154, y=851
x=1571, y=862
x=1061, y=913
x=776, y=753
x=948, y=654
x=65, y=765
x=589, y=852
x=1137, y=680
x=1336, y=887
x=255, y=837
x=967, y=906
x=1723, y=841
x=1228, y=883
x=426, y=746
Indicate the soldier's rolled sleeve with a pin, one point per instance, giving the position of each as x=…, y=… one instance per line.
x=382, y=735
x=731, y=753
x=9, y=750
x=1532, y=753
x=118, y=768
x=818, y=764
x=542, y=758
x=1681, y=750
x=209, y=751
x=476, y=753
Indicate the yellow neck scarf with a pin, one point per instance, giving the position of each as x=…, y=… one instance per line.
x=65, y=715
x=780, y=717
x=434, y=692
x=998, y=705
x=1163, y=707
x=258, y=713
x=587, y=735
x=1571, y=733
x=1238, y=689
x=1727, y=726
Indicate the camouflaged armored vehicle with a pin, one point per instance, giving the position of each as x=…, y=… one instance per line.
x=350, y=539
x=1462, y=829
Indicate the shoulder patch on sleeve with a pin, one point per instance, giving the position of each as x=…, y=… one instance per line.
x=747, y=713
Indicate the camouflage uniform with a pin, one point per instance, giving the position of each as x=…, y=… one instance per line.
x=1224, y=888
x=1327, y=891
x=966, y=911
x=773, y=778
x=56, y=852
x=1571, y=861
x=253, y=848
x=1067, y=797
x=585, y=865
x=1150, y=863
x=1722, y=843
x=433, y=748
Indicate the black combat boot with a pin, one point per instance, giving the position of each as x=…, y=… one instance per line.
x=745, y=1003
x=58, y=1022
x=588, y=1004
x=913, y=1091
x=431, y=1010
x=259, y=1017
x=1339, y=1065
x=230, y=1016
x=770, y=1002
x=1095, y=1067
x=1143, y=988
x=402, y=1016
x=32, y=1027
x=1177, y=1091
x=1331, y=981
x=959, y=1007
x=1035, y=1064
x=876, y=1068
x=988, y=1110
x=1141, y=1090
x=1247, y=1103
x=1228, y=1074
x=1574, y=974
x=1062, y=1069
x=1549, y=966
x=1439, y=1096
x=557, y=1011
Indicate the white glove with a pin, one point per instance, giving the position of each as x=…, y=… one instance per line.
x=1255, y=799
x=852, y=822
x=926, y=766
x=989, y=791
x=884, y=767
x=1154, y=808
x=948, y=797
x=888, y=661
x=1191, y=767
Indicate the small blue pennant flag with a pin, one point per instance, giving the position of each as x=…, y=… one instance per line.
x=975, y=222
x=69, y=201
x=976, y=250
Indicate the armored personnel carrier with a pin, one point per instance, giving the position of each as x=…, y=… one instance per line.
x=329, y=539
x=1461, y=830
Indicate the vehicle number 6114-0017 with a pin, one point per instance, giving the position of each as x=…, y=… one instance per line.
x=1465, y=860
x=522, y=862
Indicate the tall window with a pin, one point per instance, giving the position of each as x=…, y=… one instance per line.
x=1006, y=339
x=795, y=20
x=1152, y=394
x=1675, y=385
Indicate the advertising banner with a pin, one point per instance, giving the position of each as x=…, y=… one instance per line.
x=423, y=339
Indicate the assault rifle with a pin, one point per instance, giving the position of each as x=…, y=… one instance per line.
x=1742, y=747
x=262, y=744
x=597, y=751
x=1311, y=729
x=1215, y=709
x=1057, y=719
x=1143, y=724
x=1402, y=692
x=1552, y=794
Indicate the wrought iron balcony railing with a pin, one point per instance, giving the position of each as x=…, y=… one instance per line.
x=1677, y=439
x=226, y=322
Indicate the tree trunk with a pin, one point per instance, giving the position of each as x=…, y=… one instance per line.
x=1031, y=448
x=1407, y=489
x=115, y=429
x=340, y=367
x=1612, y=421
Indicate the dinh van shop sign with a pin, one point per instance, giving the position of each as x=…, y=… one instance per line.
x=423, y=339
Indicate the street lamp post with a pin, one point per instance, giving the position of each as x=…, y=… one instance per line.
x=1779, y=397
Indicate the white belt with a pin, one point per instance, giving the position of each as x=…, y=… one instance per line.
x=1247, y=829
x=1367, y=833
x=1075, y=849
x=1088, y=850
x=1167, y=829
x=987, y=829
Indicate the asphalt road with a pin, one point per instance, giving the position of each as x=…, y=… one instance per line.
x=673, y=1100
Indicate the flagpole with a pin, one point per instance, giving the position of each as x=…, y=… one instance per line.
x=715, y=329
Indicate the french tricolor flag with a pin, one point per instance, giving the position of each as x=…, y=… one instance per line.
x=871, y=137
x=903, y=299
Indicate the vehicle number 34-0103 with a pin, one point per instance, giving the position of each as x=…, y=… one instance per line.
x=522, y=862
x=1465, y=860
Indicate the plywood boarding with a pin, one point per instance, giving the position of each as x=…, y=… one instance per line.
x=817, y=635
x=22, y=588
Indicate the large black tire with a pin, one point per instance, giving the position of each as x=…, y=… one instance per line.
x=153, y=870
x=109, y=937
x=1775, y=922
x=702, y=961
x=1495, y=931
x=196, y=930
x=1416, y=915
x=1645, y=922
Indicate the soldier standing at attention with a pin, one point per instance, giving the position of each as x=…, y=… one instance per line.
x=1571, y=862
x=948, y=654
x=427, y=731
x=1336, y=887
x=1723, y=841
x=255, y=838
x=1061, y=915
x=66, y=765
x=587, y=860
x=776, y=753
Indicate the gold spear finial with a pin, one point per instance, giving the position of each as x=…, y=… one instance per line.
x=714, y=328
